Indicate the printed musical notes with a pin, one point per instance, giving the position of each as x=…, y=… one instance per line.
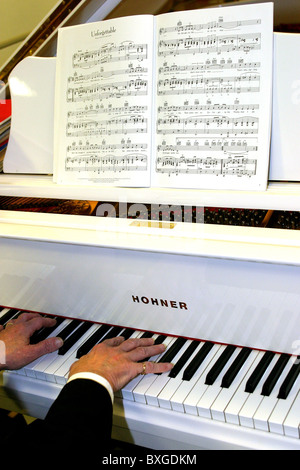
x=214, y=98
x=178, y=100
x=105, y=106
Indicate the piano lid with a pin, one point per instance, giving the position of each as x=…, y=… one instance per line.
x=42, y=40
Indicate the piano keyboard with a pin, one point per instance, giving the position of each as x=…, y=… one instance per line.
x=235, y=385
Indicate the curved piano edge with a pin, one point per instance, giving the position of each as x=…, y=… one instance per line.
x=144, y=425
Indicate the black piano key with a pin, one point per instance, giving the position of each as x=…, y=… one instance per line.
x=127, y=333
x=67, y=330
x=274, y=375
x=173, y=350
x=147, y=334
x=197, y=361
x=290, y=379
x=235, y=367
x=8, y=316
x=219, y=365
x=160, y=339
x=74, y=337
x=43, y=333
x=183, y=359
x=114, y=331
x=259, y=372
x=92, y=340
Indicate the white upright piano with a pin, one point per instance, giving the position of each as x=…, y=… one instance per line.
x=225, y=299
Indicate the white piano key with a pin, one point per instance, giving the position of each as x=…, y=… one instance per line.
x=141, y=388
x=170, y=389
x=225, y=396
x=127, y=391
x=252, y=403
x=136, y=334
x=268, y=403
x=30, y=369
x=282, y=409
x=161, y=380
x=186, y=386
x=37, y=367
x=212, y=391
x=44, y=370
x=191, y=400
x=61, y=374
x=291, y=424
x=237, y=401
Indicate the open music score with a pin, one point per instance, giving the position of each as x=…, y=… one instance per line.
x=179, y=100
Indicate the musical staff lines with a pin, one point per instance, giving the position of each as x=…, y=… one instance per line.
x=102, y=164
x=217, y=125
x=247, y=83
x=220, y=24
x=209, y=86
x=122, y=125
x=110, y=53
x=237, y=166
x=211, y=44
x=136, y=87
x=241, y=146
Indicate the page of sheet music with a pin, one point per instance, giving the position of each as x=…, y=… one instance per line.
x=214, y=83
x=103, y=103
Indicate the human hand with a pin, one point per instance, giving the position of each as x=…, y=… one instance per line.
x=16, y=338
x=117, y=360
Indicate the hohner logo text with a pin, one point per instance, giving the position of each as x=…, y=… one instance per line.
x=160, y=302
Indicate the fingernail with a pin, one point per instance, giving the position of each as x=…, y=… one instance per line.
x=58, y=342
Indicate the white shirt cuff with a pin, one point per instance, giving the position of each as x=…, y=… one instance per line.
x=97, y=378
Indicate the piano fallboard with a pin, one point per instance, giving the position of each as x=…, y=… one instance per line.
x=222, y=284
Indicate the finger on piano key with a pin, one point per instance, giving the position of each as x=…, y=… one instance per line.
x=62, y=373
x=45, y=332
x=227, y=393
x=240, y=397
x=291, y=424
x=141, y=388
x=60, y=369
x=164, y=398
x=282, y=409
x=92, y=340
x=35, y=369
x=254, y=399
x=268, y=403
x=127, y=392
x=133, y=334
x=8, y=314
x=212, y=391
x=51, y=370
x=175, y=352
x=195, y=392
x=74, y=337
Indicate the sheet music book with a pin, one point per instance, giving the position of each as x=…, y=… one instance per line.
x=180, y=100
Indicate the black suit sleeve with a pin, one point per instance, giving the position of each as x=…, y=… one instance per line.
x=79, y=419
